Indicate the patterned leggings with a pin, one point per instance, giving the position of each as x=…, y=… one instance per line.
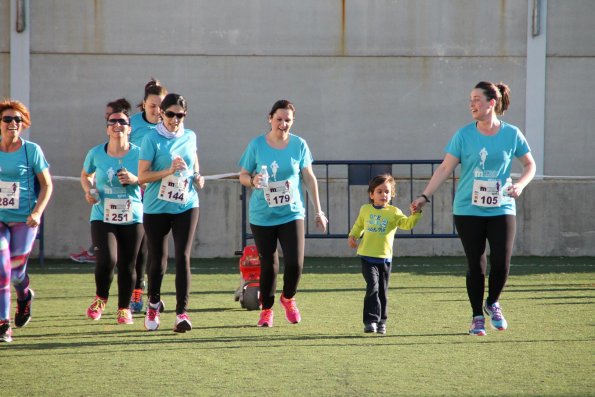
x=16, y=242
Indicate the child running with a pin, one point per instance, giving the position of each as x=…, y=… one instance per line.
x=376, y=225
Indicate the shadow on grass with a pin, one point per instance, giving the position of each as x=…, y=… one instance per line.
x=134, y=341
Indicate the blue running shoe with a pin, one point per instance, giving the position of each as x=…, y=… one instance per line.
x=497, y=320
x=136, y=301
x=478, y=326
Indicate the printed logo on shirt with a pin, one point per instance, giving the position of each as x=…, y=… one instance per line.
x=480, y=171
x=483, y=156
x=274, y=168
x=506, y=156
x=110, y=175
x=376, y=224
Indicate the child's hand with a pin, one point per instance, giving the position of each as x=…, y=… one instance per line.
x=352, y=242
x=417, y=205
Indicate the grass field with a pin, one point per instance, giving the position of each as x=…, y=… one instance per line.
x=548, y=349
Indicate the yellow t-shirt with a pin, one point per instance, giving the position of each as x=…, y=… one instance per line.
x=377, y=227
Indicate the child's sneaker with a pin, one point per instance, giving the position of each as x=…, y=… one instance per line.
x=23, y=313
x=497, y=320
x=96, y=309
x=136, y=302
x=478, y=326
x=5, y=331
x=266, y=318
x=183, y=323
x=124, y=316
x=381, y=328
x=152, y=320
x=370, y=328
x=292, y=313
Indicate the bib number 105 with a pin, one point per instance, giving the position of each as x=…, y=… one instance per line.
x=489, y=200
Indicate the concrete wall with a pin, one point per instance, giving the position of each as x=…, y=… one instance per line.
x=396, y=71
x=569, y=143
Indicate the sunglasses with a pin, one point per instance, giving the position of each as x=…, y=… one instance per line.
x=169, y=114
x=119, y=121
x=10, y=119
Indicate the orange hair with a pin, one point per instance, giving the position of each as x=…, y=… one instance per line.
x=17, y=106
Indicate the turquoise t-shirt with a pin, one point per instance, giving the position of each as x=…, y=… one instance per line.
x=160, y=151
x=140, y=127
x=485, y=163
x=284, y=167
x=109, y=187
x=18, y=170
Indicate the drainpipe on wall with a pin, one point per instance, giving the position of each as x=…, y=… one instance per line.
x=536, y=79
x=20, y=68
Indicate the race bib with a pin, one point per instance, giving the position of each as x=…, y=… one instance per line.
x=174, y=189
x=486, y=193
x=9, y=195
x=117, y=211
x=278, y=194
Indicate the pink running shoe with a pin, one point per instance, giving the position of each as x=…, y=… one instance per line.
x=124, y=316
x=152, y=319
x=96, y=309
x=266, y=318
x=292, y=313
x=183, y=323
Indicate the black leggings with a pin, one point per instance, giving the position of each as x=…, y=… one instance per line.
x=116, y=245
x=292, y=239
x=499, y=232
x=157, y=228
x=142, y=259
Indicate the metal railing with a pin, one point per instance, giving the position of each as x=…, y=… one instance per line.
x=359, y=173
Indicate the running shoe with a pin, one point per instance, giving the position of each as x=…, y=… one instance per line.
x=183, y=323
x=152, y=319
x=266, y=318
x=124, y=316
x=381, y=328
x=478, y=326
x=96, y=309
x=370, y=328
x=5, y=331
x=23, y=313
x=83, y=257
x=292, y=313
x=136, y=301
x=497, y=320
